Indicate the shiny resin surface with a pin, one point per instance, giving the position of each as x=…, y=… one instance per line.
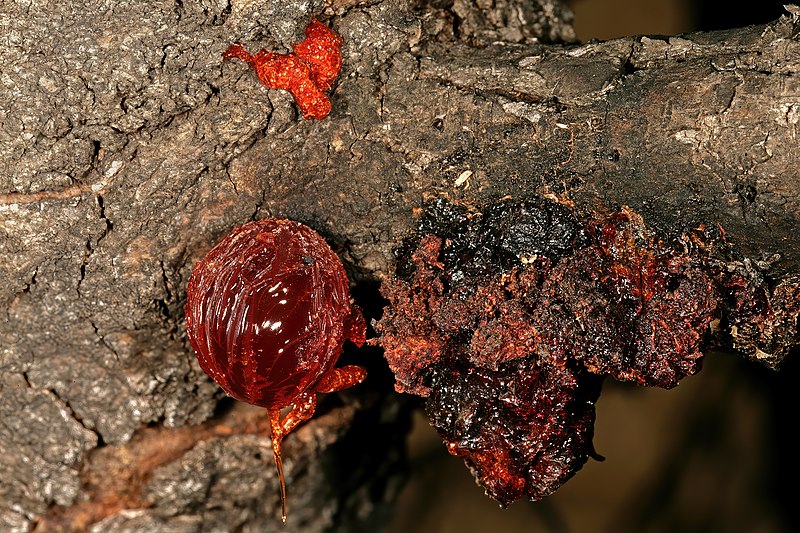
x=267, y=312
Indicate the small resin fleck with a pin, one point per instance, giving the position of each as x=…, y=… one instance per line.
x=307, y=72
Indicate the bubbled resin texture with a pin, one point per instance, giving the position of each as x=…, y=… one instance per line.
x=267, y=312
x=307, y=72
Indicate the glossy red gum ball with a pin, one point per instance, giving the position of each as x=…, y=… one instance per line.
x=267, y=312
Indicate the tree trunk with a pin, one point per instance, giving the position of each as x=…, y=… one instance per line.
x=128, y=148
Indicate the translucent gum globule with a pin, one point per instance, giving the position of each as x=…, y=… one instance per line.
x=267, y=313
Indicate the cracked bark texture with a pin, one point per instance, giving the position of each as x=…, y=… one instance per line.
x=127, y=149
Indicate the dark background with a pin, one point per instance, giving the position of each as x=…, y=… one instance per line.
x=607, y=19
x=714, y=454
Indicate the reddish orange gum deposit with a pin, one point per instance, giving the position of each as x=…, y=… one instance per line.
x=307, y=72
x=268, y=311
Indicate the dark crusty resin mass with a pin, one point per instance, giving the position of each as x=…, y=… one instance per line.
x=506, y=320
x=267, y=312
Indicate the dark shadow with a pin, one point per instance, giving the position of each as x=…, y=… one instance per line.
x=723, y=15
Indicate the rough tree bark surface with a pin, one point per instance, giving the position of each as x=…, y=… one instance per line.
x=127, y=148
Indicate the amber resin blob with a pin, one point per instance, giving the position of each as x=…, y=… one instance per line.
x=268, y=310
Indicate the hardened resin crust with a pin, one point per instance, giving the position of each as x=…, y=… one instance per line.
x=507, y=320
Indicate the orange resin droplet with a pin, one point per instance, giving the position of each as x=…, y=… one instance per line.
x=307, y=72
x=267, y=312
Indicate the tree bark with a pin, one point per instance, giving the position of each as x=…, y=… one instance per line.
x=128, y=148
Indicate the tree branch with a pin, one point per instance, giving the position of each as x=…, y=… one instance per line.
x=127, y=148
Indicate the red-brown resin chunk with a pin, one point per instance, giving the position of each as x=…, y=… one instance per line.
x=507, y=320
x=307, y=72
x=267, y=312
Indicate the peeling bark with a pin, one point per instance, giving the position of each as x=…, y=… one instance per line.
x=127, y=148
